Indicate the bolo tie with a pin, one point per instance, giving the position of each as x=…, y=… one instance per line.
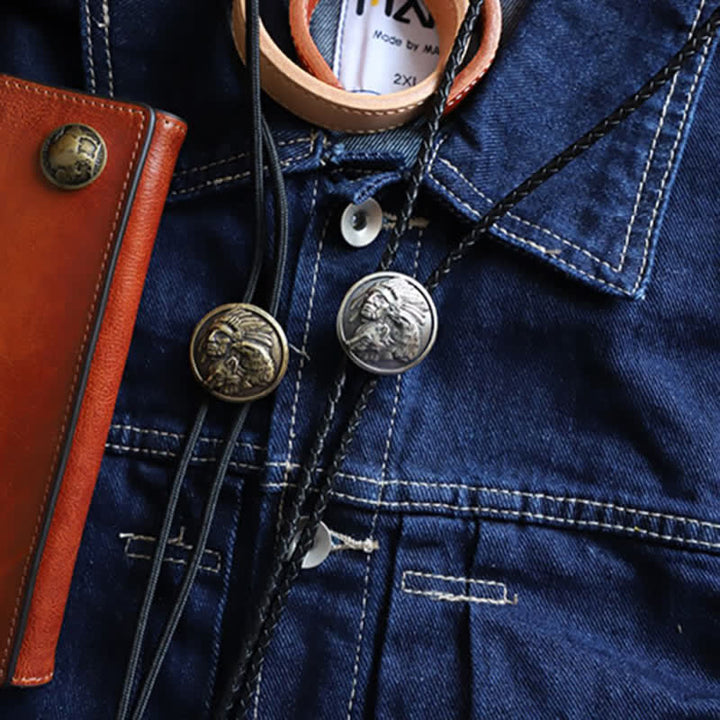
x=239, y=354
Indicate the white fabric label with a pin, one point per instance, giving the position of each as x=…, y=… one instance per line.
x=384, y=45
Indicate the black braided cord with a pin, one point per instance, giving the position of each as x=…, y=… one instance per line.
x=292, y=563
x=430, y=131
x=247, y=667
x=236, y=699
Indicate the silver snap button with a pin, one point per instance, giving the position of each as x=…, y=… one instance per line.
x=387, y=323
x=361, y=224
x=321, y=547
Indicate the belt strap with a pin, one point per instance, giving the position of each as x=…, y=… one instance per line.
x=321, y=101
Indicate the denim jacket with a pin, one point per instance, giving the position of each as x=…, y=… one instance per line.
x=528, y=523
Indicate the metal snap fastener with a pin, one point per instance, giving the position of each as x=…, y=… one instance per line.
x=321, y=547
x=361, y=224
x=387, y=323
x=73, y=156
x=239, y=352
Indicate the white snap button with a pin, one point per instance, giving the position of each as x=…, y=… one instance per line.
x=321, y=547
x=361, y=224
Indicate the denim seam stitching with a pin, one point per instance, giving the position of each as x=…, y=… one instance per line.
x=559, y=499
x=366, y=580
x=450, y=597
x=668, y=170
x=239, y=156
x=306, y=330
x=130, y=537
x=180, y=437
x=383, y=477
x=303, y=355
x=541, y=248
x=195, y=458
x=91, y=59
x=340, y=40
x=653, y=148
x=496, y=511
x=530, y=224
x=532, y=516
x=641, y=187
x=298, y=385
x=214, y=182
x=106, y=35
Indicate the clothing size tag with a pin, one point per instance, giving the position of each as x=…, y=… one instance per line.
x=384, y=46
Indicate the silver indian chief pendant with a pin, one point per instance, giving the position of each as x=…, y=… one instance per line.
x=387, y=323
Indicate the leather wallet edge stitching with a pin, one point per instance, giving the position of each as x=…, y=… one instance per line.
x=14, y=639
x=35, y=664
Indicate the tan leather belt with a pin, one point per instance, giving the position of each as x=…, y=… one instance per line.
x=321, y=101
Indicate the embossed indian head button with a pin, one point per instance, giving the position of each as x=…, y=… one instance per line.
x=239, y=352
x=73, y=156
x=387, y=323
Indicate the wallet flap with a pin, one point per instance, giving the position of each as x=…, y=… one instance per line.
x=59, y=253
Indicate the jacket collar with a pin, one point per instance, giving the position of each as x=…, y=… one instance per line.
x=561, y=68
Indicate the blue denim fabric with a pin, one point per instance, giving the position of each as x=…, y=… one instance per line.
x=539, y=498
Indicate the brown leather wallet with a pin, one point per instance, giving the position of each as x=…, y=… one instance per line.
x=72, y=268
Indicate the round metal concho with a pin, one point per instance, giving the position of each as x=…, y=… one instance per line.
x=387, y=323
x=73, y=156
x=239, y=352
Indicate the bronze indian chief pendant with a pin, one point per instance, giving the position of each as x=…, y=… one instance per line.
x=239, y=352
